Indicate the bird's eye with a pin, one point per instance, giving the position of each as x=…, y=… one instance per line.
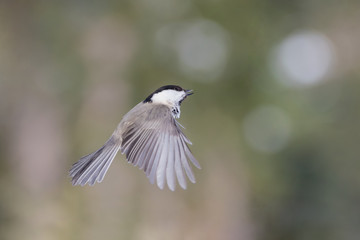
x=178, y=89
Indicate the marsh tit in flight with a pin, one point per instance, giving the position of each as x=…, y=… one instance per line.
x=151, y=139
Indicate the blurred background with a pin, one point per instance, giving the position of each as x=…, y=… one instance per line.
x=274, y=121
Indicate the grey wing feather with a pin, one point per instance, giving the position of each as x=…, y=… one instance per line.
x=163, y=159
x=155, y=156
x=155, y=143
x=184, y=162
x=170, y=174
x=178, y=166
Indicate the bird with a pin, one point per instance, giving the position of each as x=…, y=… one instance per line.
x=151, y=139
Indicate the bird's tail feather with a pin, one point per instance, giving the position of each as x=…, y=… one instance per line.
x=93, y=167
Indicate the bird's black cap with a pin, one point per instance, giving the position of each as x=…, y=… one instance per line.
x=166, y=87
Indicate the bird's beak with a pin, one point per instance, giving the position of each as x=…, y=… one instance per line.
x=189, y=92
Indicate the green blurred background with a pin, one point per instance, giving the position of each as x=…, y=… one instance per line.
x=274, y=120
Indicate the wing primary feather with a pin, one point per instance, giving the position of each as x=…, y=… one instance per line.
x=145, y=153
x=187, y=150
x=128, y=134
x=178, y=167
x=129, y=143
x=131, y=149
x=191, y=157
x=182, y=136
x=170, y=175
x=126, y=147
x=151, y=153
x=184, y=161
x=178, y=124
x=139, y=148
x=136, y=145
x=155, y=159
x=160, y=171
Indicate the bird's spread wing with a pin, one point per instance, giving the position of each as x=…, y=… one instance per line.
x=155, y=143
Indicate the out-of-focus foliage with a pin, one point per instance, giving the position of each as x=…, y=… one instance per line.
x=274, y=118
